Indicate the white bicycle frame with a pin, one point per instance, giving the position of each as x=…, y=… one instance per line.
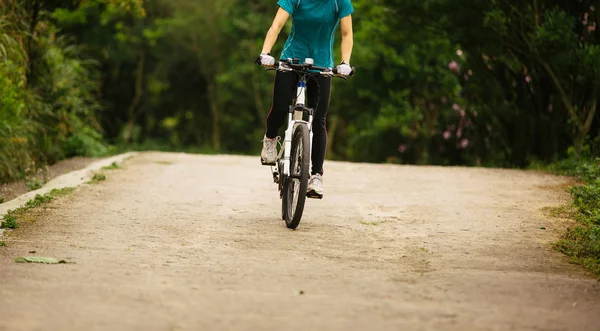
x=295, y=118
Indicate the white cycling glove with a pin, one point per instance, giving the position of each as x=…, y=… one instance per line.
x=343, y=69
x=266, y=60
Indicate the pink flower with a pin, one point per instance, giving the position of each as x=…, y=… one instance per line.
x=402, y=148
x=456, y=107
x=470, y=72
x=459, y=133
x=444, y=99
x=592, y=27
x=527, y=79
x=464, y=143
x=453, y=66
x=462, y=113
x=446, y=135
x=459, y=52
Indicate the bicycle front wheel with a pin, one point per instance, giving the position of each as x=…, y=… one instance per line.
x=297, y=183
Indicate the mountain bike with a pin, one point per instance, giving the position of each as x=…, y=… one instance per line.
x=292, y=167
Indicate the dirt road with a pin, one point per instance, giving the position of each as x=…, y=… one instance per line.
x=182, y=242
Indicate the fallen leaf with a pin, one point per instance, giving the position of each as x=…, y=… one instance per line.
x=38, y=259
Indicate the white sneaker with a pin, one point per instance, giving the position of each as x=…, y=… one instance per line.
x=315, y=187
x=269, y=151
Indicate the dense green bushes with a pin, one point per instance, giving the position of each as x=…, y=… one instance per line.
x=582, y=241
x=48, y=96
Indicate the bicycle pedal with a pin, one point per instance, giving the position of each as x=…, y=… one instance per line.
x=314, y=195
x=265, y=163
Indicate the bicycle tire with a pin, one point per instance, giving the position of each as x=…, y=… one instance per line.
x=297, y=184
x=282, y=187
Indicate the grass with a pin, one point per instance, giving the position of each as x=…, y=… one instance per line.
x=112, y=166
x=33, y=184
x=564, y=211
x=582, y=241
x=3, y=244
x=9, y=221
x=97, y=178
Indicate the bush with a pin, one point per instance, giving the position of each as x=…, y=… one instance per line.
x=582, y=242
x=48, y=113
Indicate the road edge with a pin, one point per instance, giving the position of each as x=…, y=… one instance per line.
x=70, y=179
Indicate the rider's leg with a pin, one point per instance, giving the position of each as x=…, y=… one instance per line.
x=318, y=95
x=283, y=94
x=284, y=91
x=319, y=90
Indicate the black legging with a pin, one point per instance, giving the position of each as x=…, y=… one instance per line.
x=317, y=96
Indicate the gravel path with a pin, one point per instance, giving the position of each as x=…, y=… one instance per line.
x=188, y=242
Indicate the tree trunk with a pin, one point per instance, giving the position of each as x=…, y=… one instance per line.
x=213, y=95
x=331, y=132
x=583, y=129
x=536, y=13
x=139, y=81
x=30, y=51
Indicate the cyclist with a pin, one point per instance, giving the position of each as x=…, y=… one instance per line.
x=314, y=23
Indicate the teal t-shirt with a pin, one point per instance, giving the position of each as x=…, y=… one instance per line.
x=314, y=23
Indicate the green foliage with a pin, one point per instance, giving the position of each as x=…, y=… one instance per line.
x=587, y=200
x=38, y=200
x=15, y=127
x=48, y=96
x=582, y=242
x=9, y=222
x=587, y=169
x=33, y=184
x=112, y=166
x=97, y=178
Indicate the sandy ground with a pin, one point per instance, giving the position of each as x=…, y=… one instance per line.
x=187, y=242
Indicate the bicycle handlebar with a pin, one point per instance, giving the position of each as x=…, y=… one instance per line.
x=303, y=67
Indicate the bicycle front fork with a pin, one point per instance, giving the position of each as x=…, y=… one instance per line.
x=295, y=116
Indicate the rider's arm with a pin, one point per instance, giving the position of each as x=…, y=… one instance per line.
x=278, y=23
x=347, y=38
